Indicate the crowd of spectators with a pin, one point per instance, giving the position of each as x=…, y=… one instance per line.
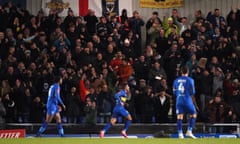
x=95, y=55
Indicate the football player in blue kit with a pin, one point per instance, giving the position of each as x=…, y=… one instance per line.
x=53, y=102
x=119, y=110
x=184, y=90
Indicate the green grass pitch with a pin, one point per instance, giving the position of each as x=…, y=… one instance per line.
x=119, y=141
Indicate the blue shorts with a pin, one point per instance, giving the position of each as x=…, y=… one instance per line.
x=186, y=109
x=119, y=111
x=52, y=110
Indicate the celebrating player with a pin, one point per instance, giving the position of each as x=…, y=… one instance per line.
x=53, y=108
x=183, y=89
x=121, y=96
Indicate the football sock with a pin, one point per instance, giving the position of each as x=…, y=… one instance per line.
x=179, y=126
x=42, y=128
x=107, y=127
x=191, y=124
x=127, y=124
x=60, y=129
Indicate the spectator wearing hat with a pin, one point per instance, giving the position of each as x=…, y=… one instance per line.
x=168, y=25
x=127, y=49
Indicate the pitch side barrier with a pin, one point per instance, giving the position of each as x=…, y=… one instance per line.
x=236, y=125
x=158, y=130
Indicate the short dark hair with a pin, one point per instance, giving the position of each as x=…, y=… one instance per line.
x=57, y=79
x=199, y=11
x=184, y=70
x=155, y=13
x=122, y=86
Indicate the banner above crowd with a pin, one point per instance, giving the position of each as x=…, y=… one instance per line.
x=80, y=7
x=161, y=3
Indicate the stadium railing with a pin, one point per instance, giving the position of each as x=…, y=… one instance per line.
x=149, y=128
